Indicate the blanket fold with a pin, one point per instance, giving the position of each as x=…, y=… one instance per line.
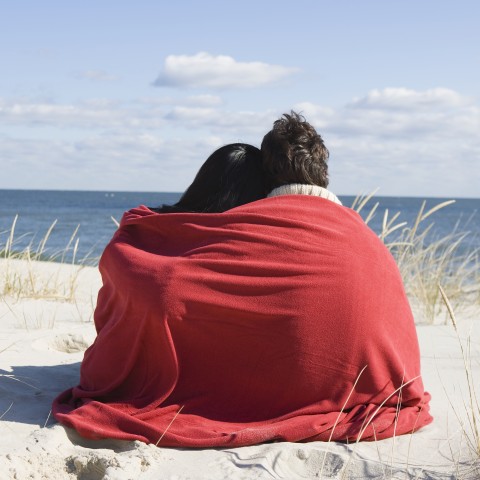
x=281, y=320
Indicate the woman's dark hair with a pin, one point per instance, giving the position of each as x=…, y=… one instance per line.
x=231, y=176
x=293, y=152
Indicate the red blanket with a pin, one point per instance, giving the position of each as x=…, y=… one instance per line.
x=281, y=320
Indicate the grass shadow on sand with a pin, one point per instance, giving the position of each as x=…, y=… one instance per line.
x=27, y=392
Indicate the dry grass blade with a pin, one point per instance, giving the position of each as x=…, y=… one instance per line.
x=338, y=417
x=372, y=213
x=390, y=230
x=6, y=411
x=387, y=228
x=9, y=244
x=43, y=242
x=48, y=418
x=9, y=346
x=15, y=379
x=169, y=425
x=449, y=308
x=436, y=208
x=374, y=414
x=69, y=244
x=362, y=200
x=473, y=409
x=392, y=245
x=418, y=220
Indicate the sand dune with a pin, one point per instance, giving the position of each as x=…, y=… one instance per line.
x=42, y=341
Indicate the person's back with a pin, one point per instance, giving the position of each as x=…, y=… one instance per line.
x=283, y=319
x=289, y=323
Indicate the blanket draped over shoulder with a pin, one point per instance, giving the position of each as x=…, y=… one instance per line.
x=281, y=320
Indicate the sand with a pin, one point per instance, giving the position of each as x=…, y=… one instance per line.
x=42, y=341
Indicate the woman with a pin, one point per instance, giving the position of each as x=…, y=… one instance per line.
x=231, y=176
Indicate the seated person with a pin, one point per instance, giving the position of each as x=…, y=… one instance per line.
x=284, y=319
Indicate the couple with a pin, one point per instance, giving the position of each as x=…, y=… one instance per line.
x=282, y=319
x=294, y=158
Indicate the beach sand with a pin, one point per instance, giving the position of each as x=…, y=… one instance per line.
x=42, y=341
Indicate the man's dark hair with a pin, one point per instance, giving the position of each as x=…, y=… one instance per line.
x=231, y=176
x=293, y=152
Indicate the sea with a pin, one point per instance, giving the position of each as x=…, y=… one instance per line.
x=30, y=214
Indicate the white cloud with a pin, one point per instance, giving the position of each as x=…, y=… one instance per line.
x=160, y=143
x=429, y=114
x=96, y=76
x=403, y=141
x=315, y=114
x=136, y=162
x=249, y=124
x=92, y=114
x=191, y=101
x=204, y=100
x=192, y=117
x=404, y=98
x=218, y=71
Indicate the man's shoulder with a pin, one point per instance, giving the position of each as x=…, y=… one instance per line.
x=297, y=205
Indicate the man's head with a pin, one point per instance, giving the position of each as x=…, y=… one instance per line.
x=293, y=152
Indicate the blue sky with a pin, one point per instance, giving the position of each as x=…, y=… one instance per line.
x=118, y=95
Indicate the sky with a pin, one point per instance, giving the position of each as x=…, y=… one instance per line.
x=122, y=95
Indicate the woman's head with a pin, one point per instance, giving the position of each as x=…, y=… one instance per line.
x=231, y=176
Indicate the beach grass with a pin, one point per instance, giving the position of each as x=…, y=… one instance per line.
x=471, y=428
x=426, y=261
x=17, y=282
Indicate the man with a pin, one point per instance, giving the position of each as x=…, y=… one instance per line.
x=357, y=283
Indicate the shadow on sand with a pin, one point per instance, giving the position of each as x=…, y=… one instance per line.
x=27, y=392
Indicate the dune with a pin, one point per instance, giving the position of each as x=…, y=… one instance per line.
x=46, y=324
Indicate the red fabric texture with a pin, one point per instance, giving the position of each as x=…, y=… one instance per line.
x=281, y=320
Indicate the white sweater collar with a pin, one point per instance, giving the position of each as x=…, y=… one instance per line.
x=304, y=189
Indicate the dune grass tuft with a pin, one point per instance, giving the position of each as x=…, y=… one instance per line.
x=472, y=405
x=18, y=281
x=426, y=261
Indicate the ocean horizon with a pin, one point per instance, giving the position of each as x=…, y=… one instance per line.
x=92, y=212
x=148, y=192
